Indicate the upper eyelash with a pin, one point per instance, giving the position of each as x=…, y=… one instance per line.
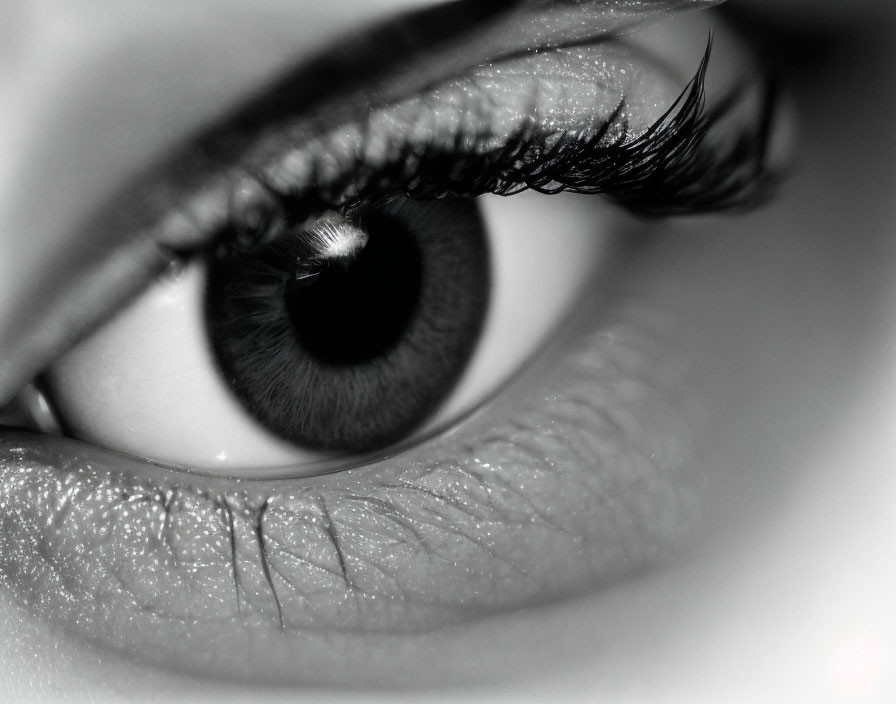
x=674, y=167
x=671, y=169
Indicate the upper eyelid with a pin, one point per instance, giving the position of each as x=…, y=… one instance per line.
x=275, y=173
x=411, y=64
x=273, y=164
x=349, y=85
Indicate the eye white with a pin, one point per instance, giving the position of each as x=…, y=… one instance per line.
x=147, y=384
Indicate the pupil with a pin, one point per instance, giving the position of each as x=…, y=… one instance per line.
x=357, y=310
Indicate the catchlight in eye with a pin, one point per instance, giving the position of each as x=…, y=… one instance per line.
x=277, y=364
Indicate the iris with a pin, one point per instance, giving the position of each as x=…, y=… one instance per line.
x=345, y=336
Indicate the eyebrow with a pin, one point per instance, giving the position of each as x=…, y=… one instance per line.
x=113, y=255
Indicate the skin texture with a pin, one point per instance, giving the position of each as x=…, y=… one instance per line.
x=787, y=597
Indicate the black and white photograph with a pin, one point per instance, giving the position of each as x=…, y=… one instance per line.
x=449, y=351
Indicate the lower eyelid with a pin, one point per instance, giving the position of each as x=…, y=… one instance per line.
x=579, y=475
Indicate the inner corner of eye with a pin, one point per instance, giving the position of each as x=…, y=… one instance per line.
x=313, y=349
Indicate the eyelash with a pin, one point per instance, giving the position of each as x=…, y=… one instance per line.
x=673, y=168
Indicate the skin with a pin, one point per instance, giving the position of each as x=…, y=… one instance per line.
x=788, y=595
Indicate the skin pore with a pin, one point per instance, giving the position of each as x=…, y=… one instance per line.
x=799, y=296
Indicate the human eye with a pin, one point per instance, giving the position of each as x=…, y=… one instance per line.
x=570, y=479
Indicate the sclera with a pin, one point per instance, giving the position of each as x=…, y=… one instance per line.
x=146, y=383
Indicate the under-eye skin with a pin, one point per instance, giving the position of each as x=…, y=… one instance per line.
x=580, y=473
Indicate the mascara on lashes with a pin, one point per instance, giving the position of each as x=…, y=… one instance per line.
x=558, y=121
